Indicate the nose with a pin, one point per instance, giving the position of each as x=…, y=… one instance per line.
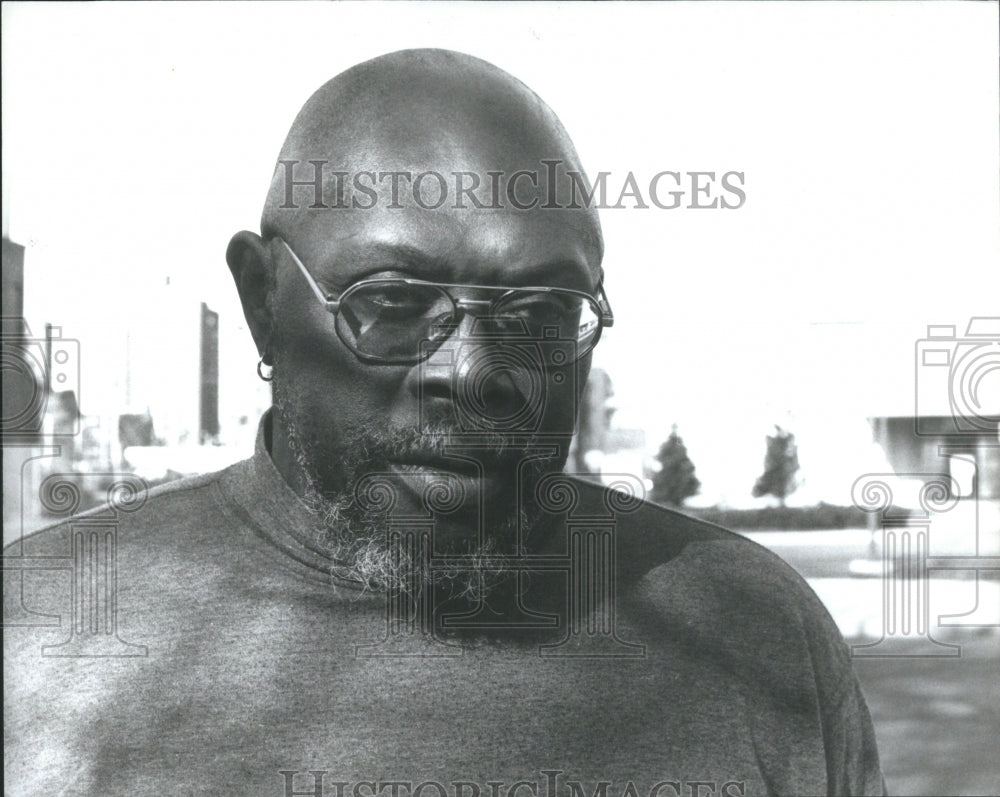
x=477, y=382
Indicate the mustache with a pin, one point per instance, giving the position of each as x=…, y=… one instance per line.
x=336, y=461
x=379, y=444
x=440, y=438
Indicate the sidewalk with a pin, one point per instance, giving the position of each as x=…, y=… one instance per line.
x=937, y=721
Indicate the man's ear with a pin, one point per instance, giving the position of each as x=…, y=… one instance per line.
x=249, y=259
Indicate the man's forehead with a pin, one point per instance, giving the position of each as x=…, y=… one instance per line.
x=481, y=172
x=431, y=142
x=476, y=246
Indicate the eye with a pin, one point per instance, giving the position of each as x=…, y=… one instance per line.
x=394, y=301
x=392, y=296
x=541, y=314
x=541, y=308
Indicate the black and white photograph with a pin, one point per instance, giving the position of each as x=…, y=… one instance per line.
x=501, y=399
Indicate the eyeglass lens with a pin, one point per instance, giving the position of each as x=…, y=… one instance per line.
x=390, y=320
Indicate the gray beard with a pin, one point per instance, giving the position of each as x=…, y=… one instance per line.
x=355, y=537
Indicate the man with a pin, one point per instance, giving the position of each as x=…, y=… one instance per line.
x=400, y=591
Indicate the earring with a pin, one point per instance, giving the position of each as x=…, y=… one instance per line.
x=261, y=364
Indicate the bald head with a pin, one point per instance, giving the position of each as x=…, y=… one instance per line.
x=417, y=111
x=432, y=167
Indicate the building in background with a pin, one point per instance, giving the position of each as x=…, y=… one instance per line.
x=593, y=422
x=145, y=390
x=930, y=445
x=600, y=447
x=208, y=377
x=952, y=425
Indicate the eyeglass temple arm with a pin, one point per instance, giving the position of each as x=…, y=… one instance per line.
x=332, y=304
x=607, y=317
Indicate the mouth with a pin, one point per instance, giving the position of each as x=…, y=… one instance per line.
x=438, y=463
x=446, y=482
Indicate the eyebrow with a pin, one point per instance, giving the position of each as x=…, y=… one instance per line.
x=434, y=268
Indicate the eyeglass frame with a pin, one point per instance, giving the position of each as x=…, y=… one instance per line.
x=606, y=317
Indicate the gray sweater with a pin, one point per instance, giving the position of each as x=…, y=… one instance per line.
x=202, y=644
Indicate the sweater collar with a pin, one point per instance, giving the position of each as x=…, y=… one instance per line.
x=277, y=514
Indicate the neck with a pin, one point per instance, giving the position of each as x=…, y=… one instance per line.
x=280, y=447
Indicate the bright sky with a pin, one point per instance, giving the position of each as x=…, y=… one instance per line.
x=139, y=137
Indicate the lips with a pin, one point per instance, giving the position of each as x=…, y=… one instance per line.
x=445, y=483
x=459, y=466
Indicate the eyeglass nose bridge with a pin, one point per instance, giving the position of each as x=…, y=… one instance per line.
x=463, y=306
x=440, y=333
x=463, y=303
x=481, y=309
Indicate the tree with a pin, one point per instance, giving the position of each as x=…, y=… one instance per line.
x=781, y=463
x=675, y=480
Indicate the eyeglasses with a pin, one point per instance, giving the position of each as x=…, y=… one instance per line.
x=401, y=321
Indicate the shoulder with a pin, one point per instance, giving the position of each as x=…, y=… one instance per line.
x=648, y=535
x=657, y=546
x=125, y=549
x=131, y=509
x=124, y=565
x=686, y=579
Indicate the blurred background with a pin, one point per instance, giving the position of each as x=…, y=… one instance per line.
x=799, y=368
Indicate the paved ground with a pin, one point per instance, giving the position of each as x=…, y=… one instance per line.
x=937, y=720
